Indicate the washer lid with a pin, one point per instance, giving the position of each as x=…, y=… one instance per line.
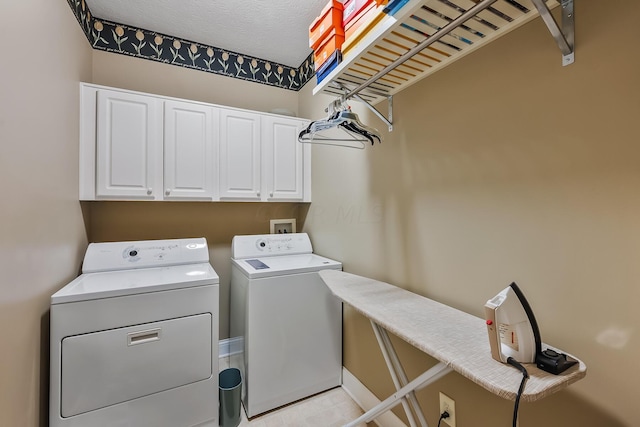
x=107, y=284
x=256, y=268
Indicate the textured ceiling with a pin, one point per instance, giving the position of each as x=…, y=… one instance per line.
x=273, y=30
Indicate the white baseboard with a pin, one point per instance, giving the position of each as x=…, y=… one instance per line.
x=230, y=346
x=367, y=400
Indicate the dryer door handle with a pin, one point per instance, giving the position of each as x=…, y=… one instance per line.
x=143, y=337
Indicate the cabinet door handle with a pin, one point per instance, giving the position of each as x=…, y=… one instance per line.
x=167, y=192
x=271, y=194
x=258, y=194
x=149, y=191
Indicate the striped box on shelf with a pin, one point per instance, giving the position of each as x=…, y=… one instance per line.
x=352, y=9
x=361, y=26
x=394, y=6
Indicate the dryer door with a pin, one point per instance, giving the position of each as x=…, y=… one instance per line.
x=109, y=367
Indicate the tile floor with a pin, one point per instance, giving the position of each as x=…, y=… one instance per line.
x=332, y=408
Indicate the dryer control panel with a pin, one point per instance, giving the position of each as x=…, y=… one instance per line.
x=144, y=254
x=270, y=244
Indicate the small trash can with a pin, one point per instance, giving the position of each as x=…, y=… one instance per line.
x=230, y=395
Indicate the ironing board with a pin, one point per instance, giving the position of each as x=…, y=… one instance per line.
x=457, y=340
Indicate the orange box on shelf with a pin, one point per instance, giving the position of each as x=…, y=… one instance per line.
x=352, y=9
x=329, y=20
x=332, y=43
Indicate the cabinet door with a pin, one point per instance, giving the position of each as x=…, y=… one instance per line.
x=282, y=158
x=239, y=155
x=190, y=135
x=129, y=146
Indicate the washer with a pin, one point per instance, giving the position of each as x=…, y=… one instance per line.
x=134, y=338
x=288, y=321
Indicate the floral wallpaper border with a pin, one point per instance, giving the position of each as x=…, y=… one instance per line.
x=117, y=38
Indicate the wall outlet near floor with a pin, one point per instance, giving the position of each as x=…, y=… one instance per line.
x=283, y=226
x=449, y=405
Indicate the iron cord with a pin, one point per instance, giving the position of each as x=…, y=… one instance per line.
x=443, y=416
x=525, y=375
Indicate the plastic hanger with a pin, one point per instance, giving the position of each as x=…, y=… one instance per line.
x=354, y=133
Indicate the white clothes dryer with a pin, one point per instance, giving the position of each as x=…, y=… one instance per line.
x=134, y=338
x=288, y=321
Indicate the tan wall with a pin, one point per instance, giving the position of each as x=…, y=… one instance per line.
x=218, y=222
x=42, y=234
x=505, y=167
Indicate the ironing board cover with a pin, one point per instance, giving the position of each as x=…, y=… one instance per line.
x=451, y=336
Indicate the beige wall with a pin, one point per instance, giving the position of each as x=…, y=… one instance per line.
x=43, y=224
x=505, y=167
x=42, y=235
x=218, y=222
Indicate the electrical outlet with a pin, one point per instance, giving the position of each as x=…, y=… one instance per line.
x=449, y=405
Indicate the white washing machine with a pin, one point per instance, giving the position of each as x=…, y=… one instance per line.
x=288, y=320
x=134, y=338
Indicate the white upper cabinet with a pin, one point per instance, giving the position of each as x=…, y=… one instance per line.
x=240, y=167
x=282, y=158
x=261, y=158
x=190, y=138
x=136, y=146
x=129, y=146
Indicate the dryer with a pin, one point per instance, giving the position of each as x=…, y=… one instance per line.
x=134, y=338
x=288, y=321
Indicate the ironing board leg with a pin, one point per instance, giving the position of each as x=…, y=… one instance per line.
x=431, y=375
x=398, y=375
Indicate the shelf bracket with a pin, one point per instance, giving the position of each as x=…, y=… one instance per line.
x=387, y=121
x=565, y=36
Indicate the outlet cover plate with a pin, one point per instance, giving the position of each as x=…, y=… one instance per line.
x=282, y=226
x=449, y=405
